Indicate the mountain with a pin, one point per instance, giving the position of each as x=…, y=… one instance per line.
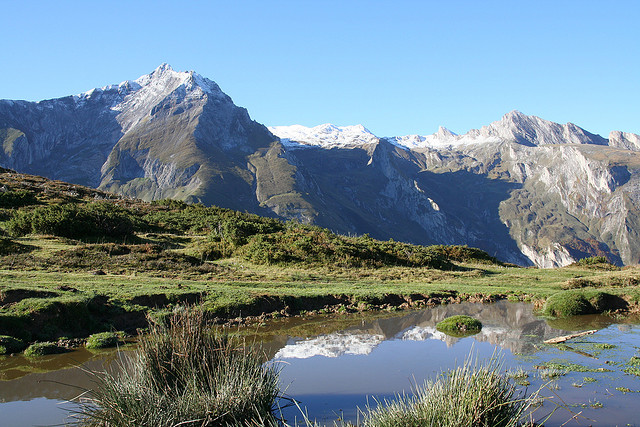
x=525, y=189
x=166, y=134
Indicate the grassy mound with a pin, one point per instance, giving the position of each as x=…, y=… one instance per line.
x=102, y=340
x=186, y=374
x=470, y=395
x=459, y=326
x=43, y=349
x=579, y=302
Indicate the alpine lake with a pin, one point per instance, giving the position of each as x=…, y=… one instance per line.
x=332, y=365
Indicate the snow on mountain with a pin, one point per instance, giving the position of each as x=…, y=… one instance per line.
x=441, y=139
x=513, y=127
x=326, y=135
x=331, y=345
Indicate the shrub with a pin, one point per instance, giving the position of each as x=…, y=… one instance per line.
x=471, y=395
x=186, y=374
x=463, y=253
x=102, y=340
x=100, y=219
x=43, y=349
x=10, y=345
x=459, y=325
x=314, y=245
x=17, y=198
x=593, y=260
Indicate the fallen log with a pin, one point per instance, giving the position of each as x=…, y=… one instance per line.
x=558, y=340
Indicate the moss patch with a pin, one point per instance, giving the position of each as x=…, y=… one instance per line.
x=102, y=340
x=459, y=325
x=574, y=303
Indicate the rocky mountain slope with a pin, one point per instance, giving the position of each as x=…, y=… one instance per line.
x=522, y=188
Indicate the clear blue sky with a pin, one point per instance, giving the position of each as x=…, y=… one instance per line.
x=398, y=68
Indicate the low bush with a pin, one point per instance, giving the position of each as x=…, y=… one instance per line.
x=594, y=260
x=99, y=219
x=43, y=349
x=186, y=374
x=463, y=253
x=17, y=198
x=102, y=340
x=318, y=246
x=596, y=263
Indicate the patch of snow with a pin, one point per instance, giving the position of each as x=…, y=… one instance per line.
x=325, y=136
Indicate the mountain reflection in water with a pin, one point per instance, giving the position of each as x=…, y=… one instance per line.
x=512, y=326
x=330, y=362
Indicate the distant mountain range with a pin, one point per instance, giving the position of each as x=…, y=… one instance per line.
x=524, y=189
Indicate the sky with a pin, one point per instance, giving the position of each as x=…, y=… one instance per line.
x=398, y=68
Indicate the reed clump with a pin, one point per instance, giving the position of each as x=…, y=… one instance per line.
x=185, y=373
x=470, y=395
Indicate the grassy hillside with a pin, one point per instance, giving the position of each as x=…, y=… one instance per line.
x=74, y=261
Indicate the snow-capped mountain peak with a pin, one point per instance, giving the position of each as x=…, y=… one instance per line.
x=326, y=135
x=165, y=75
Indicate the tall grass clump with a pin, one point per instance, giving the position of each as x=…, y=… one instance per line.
x=470, y=395
x=185, y=373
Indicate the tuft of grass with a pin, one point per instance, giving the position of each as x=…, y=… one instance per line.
x=604, y=346
x=186, y=374
x=43, y=349
x=10, y=345
x=470, y=395
x=552, y=373
x=459, y=325
x=102, y=340
x=519, y=376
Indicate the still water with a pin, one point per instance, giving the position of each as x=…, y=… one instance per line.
x=333, y=365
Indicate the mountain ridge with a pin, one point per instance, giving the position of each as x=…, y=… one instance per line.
x=522, y=188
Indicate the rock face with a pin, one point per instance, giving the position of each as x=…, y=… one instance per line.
x=524, y=189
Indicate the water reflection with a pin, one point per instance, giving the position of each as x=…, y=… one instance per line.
x=333, y=363
x=512, y=326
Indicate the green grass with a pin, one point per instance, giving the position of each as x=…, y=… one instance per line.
x=470, y=395
x=186, y=374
